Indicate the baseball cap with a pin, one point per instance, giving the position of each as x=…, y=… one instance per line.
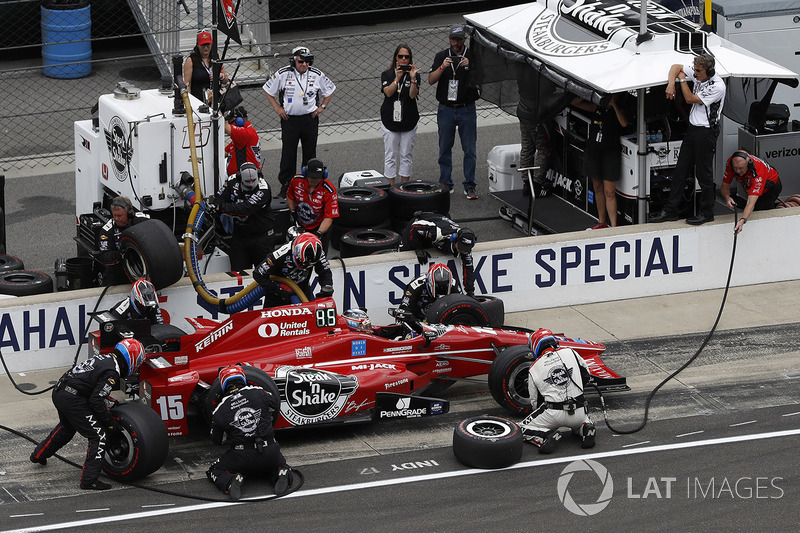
x=457, y=31
x=204, y=37
x=466, y=239
x=315, y=169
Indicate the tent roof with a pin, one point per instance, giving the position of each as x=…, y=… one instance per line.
x=595, y=42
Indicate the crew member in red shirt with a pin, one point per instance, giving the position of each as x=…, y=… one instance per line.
x=759, y=180
x=312, y=200
x=244, y=146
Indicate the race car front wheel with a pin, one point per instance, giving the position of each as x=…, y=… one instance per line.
x=508, y=379
x=487, y=442
x=140, y=447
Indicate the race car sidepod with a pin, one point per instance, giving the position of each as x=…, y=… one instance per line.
x=394, y=405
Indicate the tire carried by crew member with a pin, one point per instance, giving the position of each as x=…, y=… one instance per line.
x=149, y=250
x=487, y=442
x=508, y=379
x=457, y=309
x=141, y=445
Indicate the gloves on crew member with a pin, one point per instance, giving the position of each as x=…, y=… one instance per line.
x=211, y=204
x=325, y=291
x=423, y=256
x=293, y=217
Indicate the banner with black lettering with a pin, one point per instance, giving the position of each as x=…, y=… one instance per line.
x=226, y=20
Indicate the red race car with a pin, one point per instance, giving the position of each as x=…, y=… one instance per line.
x=327, y=371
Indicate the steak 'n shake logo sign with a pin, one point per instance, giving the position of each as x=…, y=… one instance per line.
x=585, y=27
x=119, y=151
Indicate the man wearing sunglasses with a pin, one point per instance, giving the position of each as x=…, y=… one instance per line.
x=294, y=91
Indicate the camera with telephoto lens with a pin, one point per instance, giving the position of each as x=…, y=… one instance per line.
x=404, y=67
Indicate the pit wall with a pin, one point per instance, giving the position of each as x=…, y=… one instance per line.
x=42, y=332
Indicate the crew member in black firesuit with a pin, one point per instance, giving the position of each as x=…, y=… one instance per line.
x=122, y=218
x=142, y=303
x=428, y=230
x=294, y=261
x=556, y=390
x=424, y=290
x=245, y=413
x=80, y=399
x=244, y=206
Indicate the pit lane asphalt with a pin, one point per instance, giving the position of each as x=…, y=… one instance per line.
x=744, y=384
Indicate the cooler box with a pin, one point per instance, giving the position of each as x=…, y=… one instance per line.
x=503, y=162
x=364, y=178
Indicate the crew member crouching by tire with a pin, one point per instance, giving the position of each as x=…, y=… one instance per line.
x=555, y=375
x=245, y=414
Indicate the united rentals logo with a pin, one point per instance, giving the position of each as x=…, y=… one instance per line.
x=119, y=150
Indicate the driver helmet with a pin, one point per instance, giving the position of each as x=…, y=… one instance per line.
x=143, y=297
x=306, y=250
x=132, y=352
x=439, y=280
x=249, y=176
x=358, y=320
x=232, y=376
x=540, y=341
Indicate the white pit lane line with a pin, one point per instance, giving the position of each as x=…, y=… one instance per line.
x=426, y=477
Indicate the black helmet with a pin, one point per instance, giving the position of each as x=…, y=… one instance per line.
x=439, y=280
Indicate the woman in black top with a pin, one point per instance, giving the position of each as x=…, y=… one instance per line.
x=399, y=113
x=197, y=68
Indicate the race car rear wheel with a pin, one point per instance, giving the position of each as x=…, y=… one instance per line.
x=140, y=448
x=487, y=442
x=149, y=250
x=494, y=308
x=255, y=376
x=508, y=379
x=456, y=309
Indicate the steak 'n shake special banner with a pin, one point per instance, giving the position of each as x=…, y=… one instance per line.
x=43, y=331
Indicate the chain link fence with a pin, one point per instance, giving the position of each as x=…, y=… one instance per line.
x=39, y=111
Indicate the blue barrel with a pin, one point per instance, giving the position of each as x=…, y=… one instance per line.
x=66, y=44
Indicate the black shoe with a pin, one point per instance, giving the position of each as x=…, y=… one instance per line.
x=235, y=487
x=38, y=460
x=588, y=432
x=285, y=478
x=699, y=219
x=282, y=192
x=663, y=216
x=94, y=485
x=549, y=444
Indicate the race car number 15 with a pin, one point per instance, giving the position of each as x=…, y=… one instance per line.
x=326, y=318
x=171, y=407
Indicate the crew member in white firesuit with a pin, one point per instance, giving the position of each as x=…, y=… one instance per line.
x=142, y=303
x=556, y=391
x=80, y=399
x=425, y=289
x=428, y=230
x=122, y=217
x=294, y=261
x=243, y=203
x=246, y=414
x=244, y=146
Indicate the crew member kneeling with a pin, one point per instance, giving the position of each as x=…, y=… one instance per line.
x=555, y=375
x=759, y=180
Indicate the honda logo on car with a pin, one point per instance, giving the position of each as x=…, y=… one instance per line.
x=403, y=410
x=313, y=395
x=214, y=335
x=292, y=311
x=285, y=329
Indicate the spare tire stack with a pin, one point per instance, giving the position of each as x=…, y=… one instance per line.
x=16, y=281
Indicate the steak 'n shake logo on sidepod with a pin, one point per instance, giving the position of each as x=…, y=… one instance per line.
x=119, y=151
x=310, y=395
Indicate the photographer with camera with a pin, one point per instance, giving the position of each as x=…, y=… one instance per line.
x=399, y=113
x=244, y=146
x=293, y=92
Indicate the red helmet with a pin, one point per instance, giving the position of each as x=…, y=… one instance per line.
x=132, y=352
x=540, y=341
x=143, y=296
x=230, y=375
x=439, y=280
x=306, y=250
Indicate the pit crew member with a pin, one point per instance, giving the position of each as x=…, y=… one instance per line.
x=759, y=181
x=555, y=379
x=312, y=200
x=243, y=203
x=122, y=218
x=141, y=303
x=294, y=261
x=245, y=413
x=424, y=290
x=244, y=146
x=428, y=230
x=80, y=399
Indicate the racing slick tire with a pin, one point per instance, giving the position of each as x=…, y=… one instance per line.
x=457, y=309
x=508, y=379
x=255, y=376
x=25, y=282
x=9, y=262
x=337, y=230
x=366, y=241
x=149, y=250
x=140, y=447
x=487, y=442
x=494, y=308
x=411, y=196
x=361, y=207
